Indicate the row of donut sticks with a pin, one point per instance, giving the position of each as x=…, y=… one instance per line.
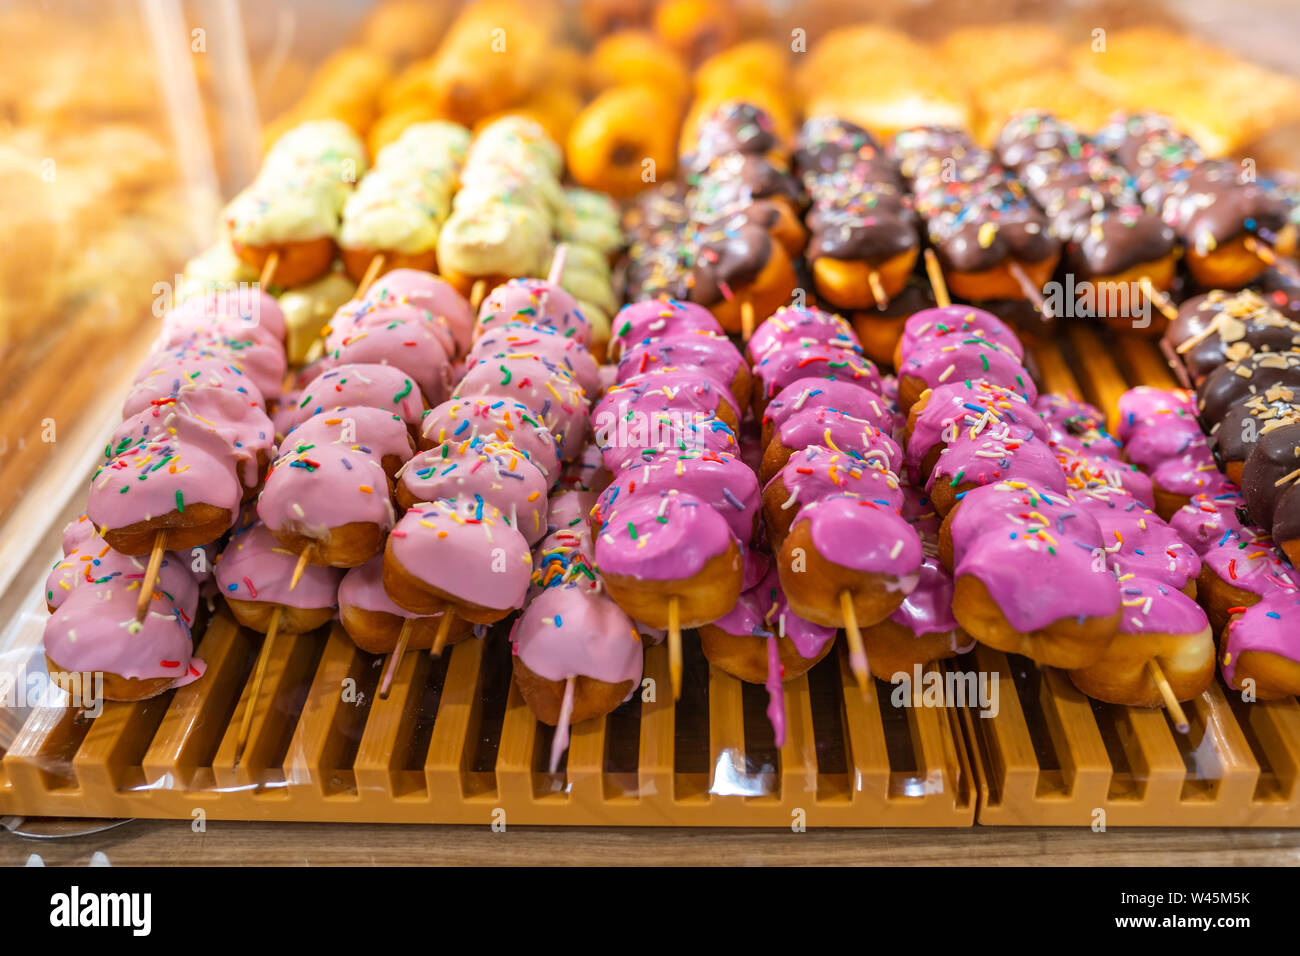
x=857, y=655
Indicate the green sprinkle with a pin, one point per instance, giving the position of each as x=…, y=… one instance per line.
x=180, y=501
x=631, y=530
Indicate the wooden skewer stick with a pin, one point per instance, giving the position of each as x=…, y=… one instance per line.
x=1031, y=291
x=937, y=283
x=151, y=575
x=299, y=568
x=877, y=289
x=552, y=277
x=857, y=650
x=395, y=658
x=557, y=264
x=746, y=319
x=1266, y=254
x=477, y=293
x=246, y=724
x=560, y=742
x=372, y=273
x=444, y=628
x=1261, y=251
x=675, y=646
x=1158, y=298
x=1175, y=709
x=775, y=690
x=268, y=270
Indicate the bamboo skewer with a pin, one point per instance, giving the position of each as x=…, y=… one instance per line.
x=151, y=575
x=395, y=658
x=1158, y=298
x=1268, y=255
x=264, y=656
x=477, y=293
x=877, y=290
x=1031, y=291
x=444, y=628
x=675, y=646
x=267, y=276
x=857, y=650
x=560, y=742
x=1175, y=709
x=372, y=273
x=299, y=568
x=557, y=264
x=937, y=283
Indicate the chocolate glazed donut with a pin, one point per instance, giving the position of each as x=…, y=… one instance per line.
x=861, y=220
x=978, y=216
x=1110, y=238
x=1271, y=485
x=1221, y=327
x=1218, y=216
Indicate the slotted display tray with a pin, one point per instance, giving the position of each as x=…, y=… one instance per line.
x=455, y=743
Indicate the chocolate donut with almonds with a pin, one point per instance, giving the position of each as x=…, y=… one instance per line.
x=1268, y=374
x=1270, y=483
x=1221, y=327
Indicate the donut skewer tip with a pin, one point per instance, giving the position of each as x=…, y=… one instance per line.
x=1157, y=298
x=1265, y=253
x=1175, y=709
x=269, y=267
x=557, y=265
x=560, y=742
x=299, y=568
x=746, y=319
x=877, y=290
x=444, y=628
x=151, y=575
x=1031, y=291
x=553, y=277
x=477, y=293
x=372, y=273
x=395, y=658
x=857, y=650
x=259, y=673
x=675, y=646
x=934, y=272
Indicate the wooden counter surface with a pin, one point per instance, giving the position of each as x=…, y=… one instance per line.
x=149, y=842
